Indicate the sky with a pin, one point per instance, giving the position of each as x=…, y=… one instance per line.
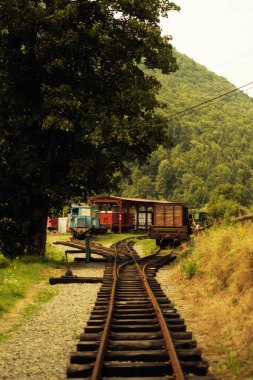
x=217, y=34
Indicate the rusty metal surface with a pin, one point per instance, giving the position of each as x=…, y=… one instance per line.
x=164, y=328
x=134, y=332
x=102, y=346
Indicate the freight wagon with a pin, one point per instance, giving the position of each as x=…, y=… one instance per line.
x=170, y=224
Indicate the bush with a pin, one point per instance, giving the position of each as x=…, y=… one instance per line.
x=189, y=268
x=4, y=262
x=221, y=208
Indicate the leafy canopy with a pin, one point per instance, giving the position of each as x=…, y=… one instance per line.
x=210, y=165
x=75, y=103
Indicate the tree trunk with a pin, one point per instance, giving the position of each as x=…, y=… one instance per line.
x=38, y=228
x=38, y=235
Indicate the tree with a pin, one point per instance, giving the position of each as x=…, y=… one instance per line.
x=75, y=104
x=164, y=179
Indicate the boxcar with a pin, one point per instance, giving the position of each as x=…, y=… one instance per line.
x=170, y=224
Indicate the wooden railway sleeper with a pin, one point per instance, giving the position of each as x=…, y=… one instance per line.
x=135, y=346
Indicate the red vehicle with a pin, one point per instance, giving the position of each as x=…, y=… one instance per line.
x=167, y=222
x=112, y=218
x=52, y=224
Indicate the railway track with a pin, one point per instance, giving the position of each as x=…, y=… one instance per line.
x=94, y=248
x=134, y=332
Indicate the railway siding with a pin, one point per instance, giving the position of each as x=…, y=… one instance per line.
x=135, y=346
x=127, y=337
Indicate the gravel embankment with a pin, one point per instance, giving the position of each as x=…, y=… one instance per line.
x=41, y=348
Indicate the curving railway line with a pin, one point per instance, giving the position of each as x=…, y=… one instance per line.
x=134, y=332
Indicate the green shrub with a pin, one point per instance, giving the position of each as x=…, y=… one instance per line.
x=189, y=267
x=4, y=262
x=221, y=208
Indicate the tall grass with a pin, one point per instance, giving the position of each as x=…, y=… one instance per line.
x=217, y=276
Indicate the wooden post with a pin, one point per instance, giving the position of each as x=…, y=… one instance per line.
x=127, y=218
x=87, y=247
x=120, y=218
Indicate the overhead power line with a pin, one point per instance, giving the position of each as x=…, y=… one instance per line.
x=209, y=100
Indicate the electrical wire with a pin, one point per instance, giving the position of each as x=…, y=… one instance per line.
x=210, y=100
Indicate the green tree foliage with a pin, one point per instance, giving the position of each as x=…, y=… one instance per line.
x=75, y=104
x=210, y=164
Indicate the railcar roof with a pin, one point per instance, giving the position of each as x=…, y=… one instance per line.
x=111, y=199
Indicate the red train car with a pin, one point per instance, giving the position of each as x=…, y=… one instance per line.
x=112, y=219
x=52, y=224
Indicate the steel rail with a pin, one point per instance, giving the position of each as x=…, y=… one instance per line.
x=179, y=375
x=96, y=372
x=164, y=328
x=114, y=316
x=131, y=258
x=97, y=368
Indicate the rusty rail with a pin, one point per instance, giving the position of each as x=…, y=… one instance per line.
x=102, y=346
x=115, y=345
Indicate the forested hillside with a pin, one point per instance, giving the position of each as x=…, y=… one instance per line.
x=210, y=162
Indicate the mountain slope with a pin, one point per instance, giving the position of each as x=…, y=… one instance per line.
x=211, y=162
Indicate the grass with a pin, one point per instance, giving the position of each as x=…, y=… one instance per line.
x=215, y=280
x=15, y=280
x=31, y=309
x=145, y=247
x=18, y=275
x=43, y=296
x=111, y=238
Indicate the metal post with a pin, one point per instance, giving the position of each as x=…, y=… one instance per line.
x=69, y=272
x=87, y=247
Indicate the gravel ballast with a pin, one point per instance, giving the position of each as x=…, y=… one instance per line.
x=40, y=349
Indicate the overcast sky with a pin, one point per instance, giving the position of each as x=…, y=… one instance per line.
x=217, y=34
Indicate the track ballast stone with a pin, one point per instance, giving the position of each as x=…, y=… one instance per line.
x=41, y=347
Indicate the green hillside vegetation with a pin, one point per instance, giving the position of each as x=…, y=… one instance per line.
x=210, y=163
x=215, y=275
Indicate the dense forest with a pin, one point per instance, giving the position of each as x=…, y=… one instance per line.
x=207, y=161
